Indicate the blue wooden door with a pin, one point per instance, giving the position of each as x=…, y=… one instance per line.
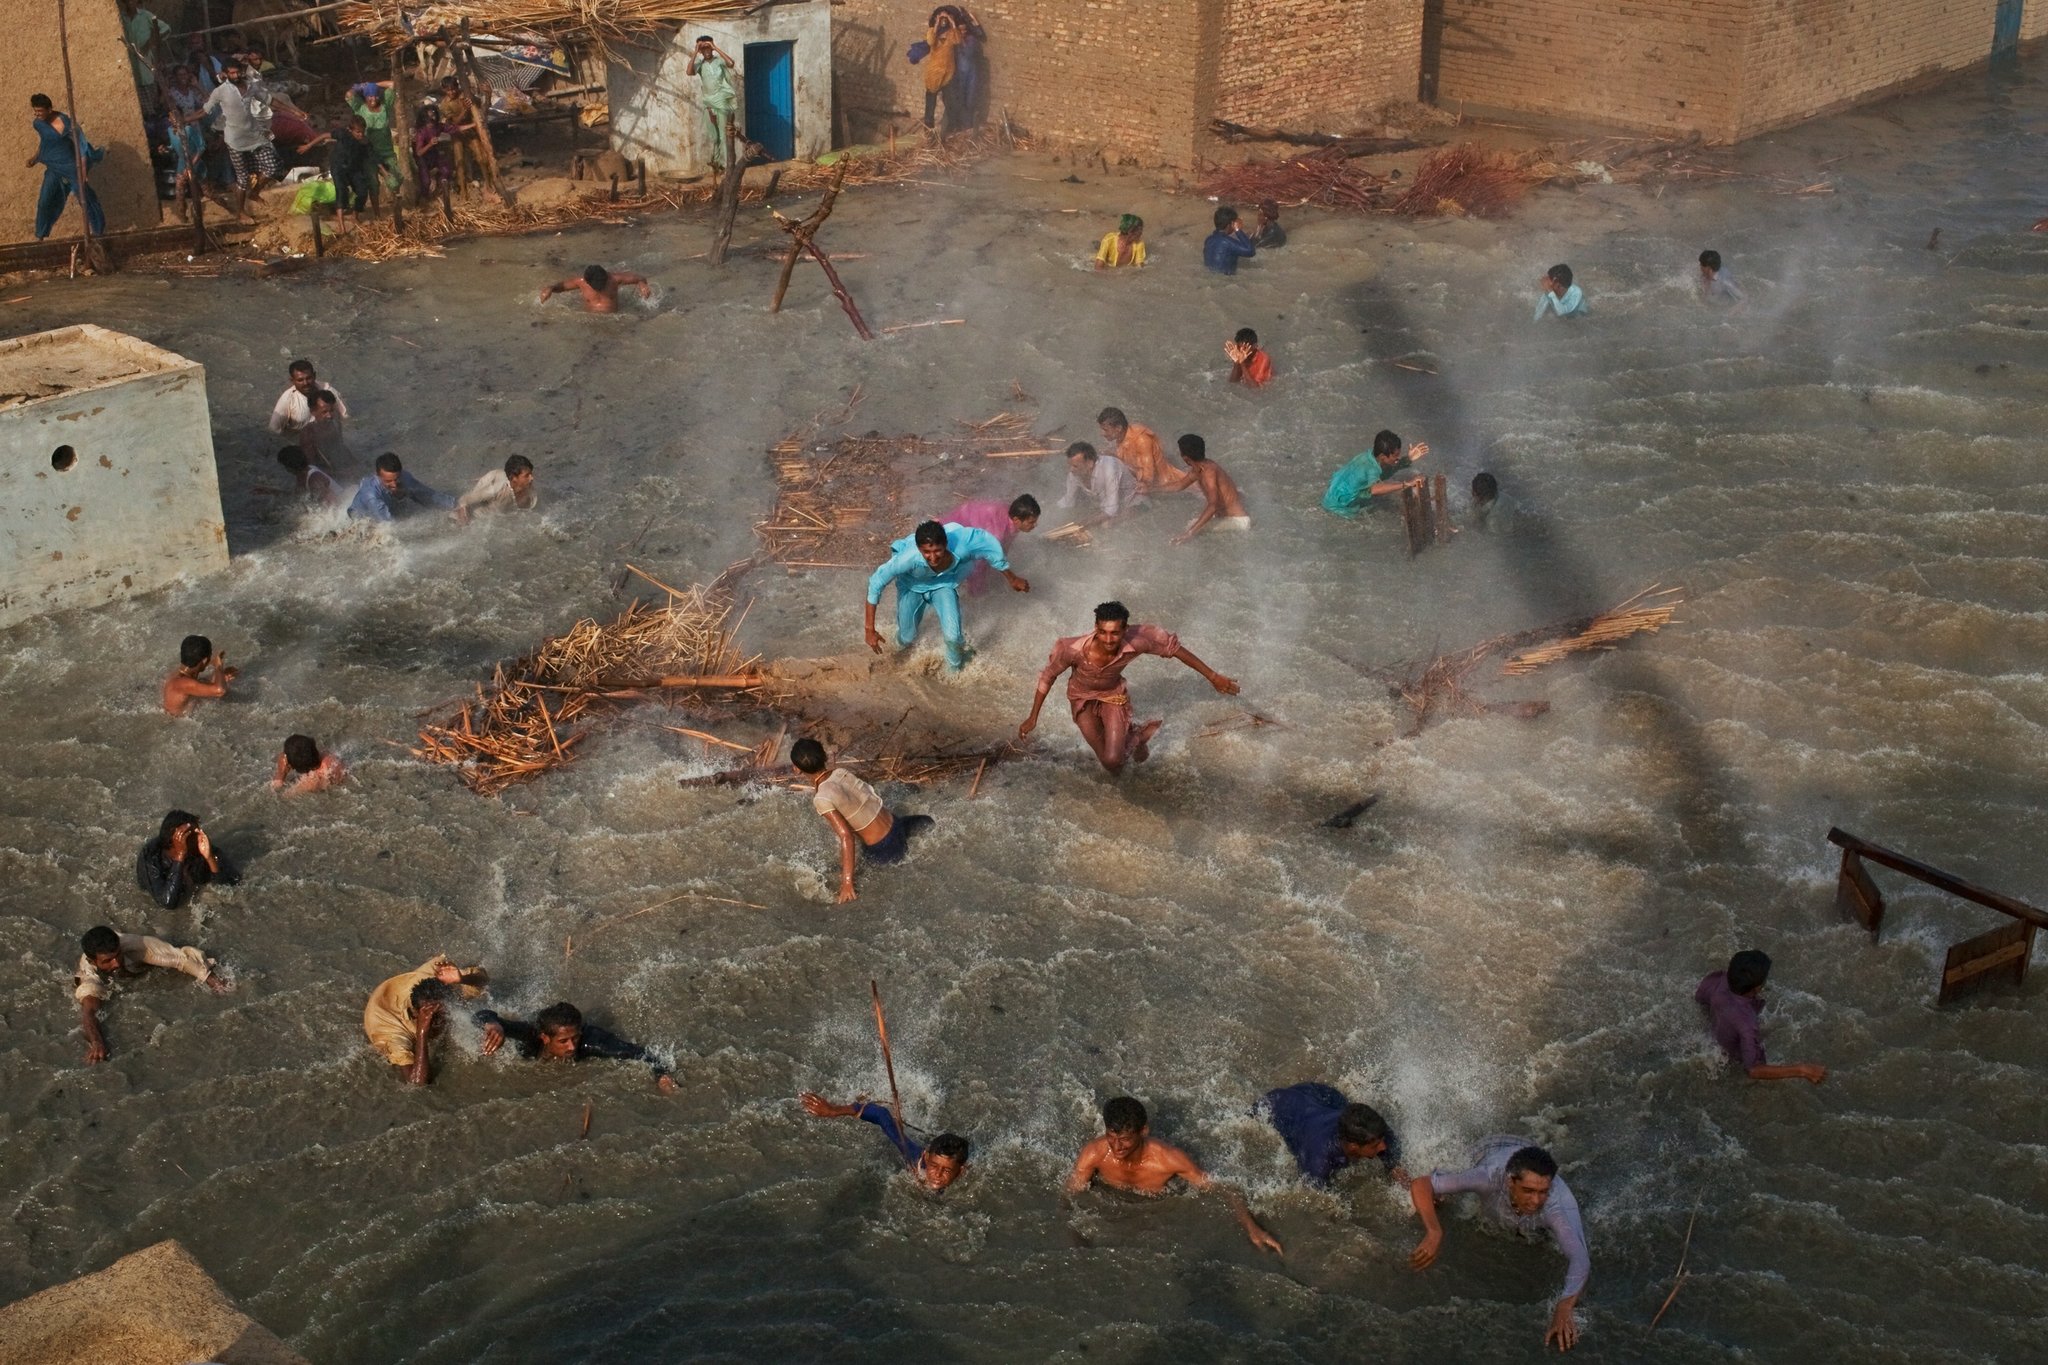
x=771, y=97
x=2005, y=33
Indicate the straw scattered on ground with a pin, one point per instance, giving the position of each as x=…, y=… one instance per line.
x=428, y=229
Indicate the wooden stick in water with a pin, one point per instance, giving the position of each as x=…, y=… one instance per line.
x=1678, y=1278
x=588, y=1105
x=888, y=1062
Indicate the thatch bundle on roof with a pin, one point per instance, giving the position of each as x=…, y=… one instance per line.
x=599, y=22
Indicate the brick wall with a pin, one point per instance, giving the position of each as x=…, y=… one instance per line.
x=1724, y=68
x=1140, y=77
x=1316, y=65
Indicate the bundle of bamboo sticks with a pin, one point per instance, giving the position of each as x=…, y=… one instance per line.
x=518, y=727
x=1647, y=612
x=604, y=23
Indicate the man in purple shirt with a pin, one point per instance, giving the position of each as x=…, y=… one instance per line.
x=1733, y=1000
x=1326, y=1132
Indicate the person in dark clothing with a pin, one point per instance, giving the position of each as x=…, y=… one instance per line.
x=1326, y=1132
x=1228, y=244
x=352, y=165
x=558, y=1034
x=180, y=860
x=1270, y=233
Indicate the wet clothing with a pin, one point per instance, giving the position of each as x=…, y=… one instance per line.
x=1488, y=1178
x=377, y=503
x=1255, y=369
x=139, y=952
x=169, y=883
x=1733, y=1020
x=1570, y=304
x=493, y=493
x=1271, y=235
x=389, y=1016
x=1103, y=688
x=60, y=175
x=292, y=411
x=1496, y=517
x=879, y=1115
x=919, y=586
x=1721, y=288
x=1348, y=493
x=894, y=846
x=1112, y=484
x=1223, y=250
x=1306, y=1118
x=990, y=516
x=1107, y=251
x=847, y=795
x=591, y=1041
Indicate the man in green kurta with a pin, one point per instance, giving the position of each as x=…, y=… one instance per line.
x=716, y=91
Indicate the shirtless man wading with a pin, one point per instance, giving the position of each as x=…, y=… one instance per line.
x=1128, y=1157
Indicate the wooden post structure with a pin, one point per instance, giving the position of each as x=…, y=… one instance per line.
x=1439, y=488
x=401, y=140
x=728, y=201
x=97, y=258
x=802, y=238
x=1411, y=518
x=2003, y=954
x=479, y=99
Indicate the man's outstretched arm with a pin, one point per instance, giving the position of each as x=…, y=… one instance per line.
x=1227, y=686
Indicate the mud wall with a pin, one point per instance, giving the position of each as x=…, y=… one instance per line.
x=108, y=111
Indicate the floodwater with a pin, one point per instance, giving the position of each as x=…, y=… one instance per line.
x=1846, y=479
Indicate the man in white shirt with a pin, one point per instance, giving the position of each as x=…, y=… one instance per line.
x=1105, y=478
x=294, y=409
x=108, y=957
x=502, y=490
x=241, y=104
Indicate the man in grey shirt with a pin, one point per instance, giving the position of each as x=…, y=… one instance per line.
x=241, y=105
x=1519, y=1189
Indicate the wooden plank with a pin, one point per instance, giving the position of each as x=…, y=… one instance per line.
x=1935, y=877
x=1857, y=896
x=2002, y=954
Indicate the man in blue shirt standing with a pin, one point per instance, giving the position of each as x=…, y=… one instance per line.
x=1326, y=1132
x=927, y=568
x=1223, y=247
x=378, y=497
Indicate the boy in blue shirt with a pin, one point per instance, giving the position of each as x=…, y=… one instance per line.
x=936, y=1165
x=927, y=568
x=1228, y=243
x=1716, y=284
x=1559, y=294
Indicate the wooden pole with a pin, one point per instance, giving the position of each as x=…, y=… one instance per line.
x=480, y=103
x=1440, y=487
x=801, y=233
x=401, y=140
x=729, y=193
x=97, y=258
x=889, y=1062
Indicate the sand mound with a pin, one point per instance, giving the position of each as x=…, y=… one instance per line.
x=154, y=1307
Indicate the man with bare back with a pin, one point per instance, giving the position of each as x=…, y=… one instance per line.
x=1222, y=504
x=1128, y=1157
x=599, y=288
x=1096, y=692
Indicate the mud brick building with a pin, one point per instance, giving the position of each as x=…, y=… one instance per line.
x=1142, y=78
x=108, y=110
x=1727, y=69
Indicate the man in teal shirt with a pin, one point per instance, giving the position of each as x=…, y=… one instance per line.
x=927, y=568
x=1358, y=486
x=713, y=70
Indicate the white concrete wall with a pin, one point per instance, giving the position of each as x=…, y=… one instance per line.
x=139, y=506
x=654, y=109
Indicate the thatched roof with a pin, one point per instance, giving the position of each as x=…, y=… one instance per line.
x=599, y=22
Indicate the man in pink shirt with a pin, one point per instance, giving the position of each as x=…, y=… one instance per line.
x=1096, y=692
x=1004, y=522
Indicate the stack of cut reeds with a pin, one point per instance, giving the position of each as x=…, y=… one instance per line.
x=428, y=229
x=1465, y=181
x=518, y=727
x=604, y=23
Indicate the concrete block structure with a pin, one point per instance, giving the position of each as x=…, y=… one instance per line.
x=1726, y=69
x=108, y=110
x=784, y=55
x=1142, y=78
x=107, y=479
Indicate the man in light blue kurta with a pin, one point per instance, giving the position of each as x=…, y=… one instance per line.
x=927, y=568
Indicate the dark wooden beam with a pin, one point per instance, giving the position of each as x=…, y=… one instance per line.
x=1935, y=877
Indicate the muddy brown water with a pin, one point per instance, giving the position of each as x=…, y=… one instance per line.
x=1846, y=477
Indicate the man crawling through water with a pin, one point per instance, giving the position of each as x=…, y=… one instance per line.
x=599, y=288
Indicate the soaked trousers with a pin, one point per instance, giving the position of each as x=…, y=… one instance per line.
x=58, y=187
x=910, y=608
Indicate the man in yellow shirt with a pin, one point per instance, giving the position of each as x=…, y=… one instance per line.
x=403, y=1012
x=1125, y=246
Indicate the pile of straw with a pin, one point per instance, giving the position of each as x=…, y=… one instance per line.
x=602, y=23
x=427, y=228
x=910, y=162
x=520, y=725
x=1441, y=685
x=1464, y=181
x=839, y=503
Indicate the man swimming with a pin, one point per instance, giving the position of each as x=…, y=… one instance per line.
x=1100, y=702
x=599, y=288
x=107, y=957
x=558, y=1034
x=935, y=1165
x=1128, y=1157
x=202, y=674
